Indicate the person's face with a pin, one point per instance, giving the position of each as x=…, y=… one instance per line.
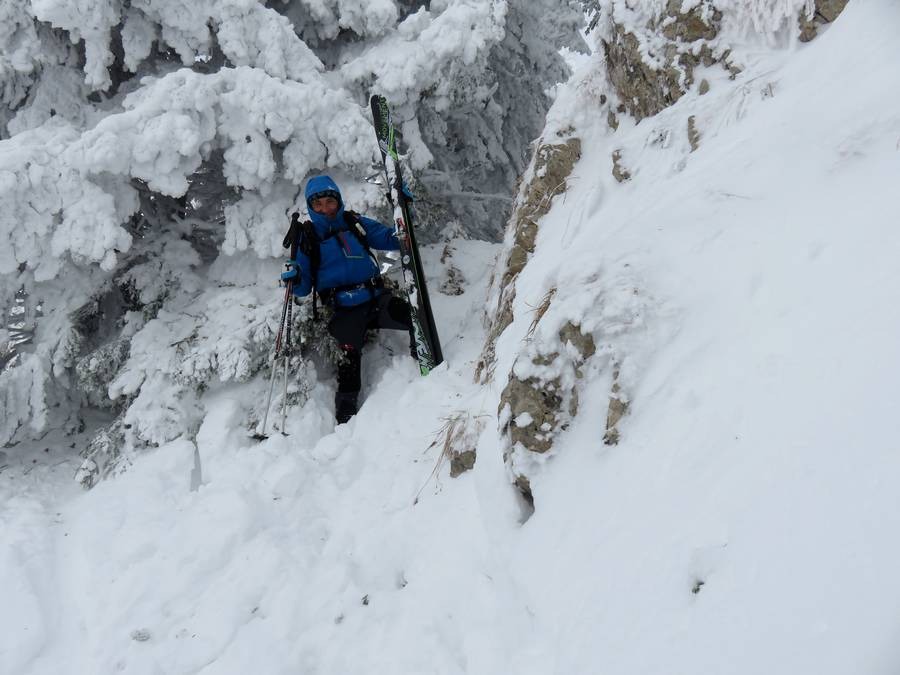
x=326, y=206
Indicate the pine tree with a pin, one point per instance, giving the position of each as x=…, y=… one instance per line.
x=151, y=150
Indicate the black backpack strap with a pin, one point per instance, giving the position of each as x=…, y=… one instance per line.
x=309, y=245
x=302, y=237
x=351, y=218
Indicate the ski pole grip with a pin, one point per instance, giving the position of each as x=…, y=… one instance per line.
x=293, y=235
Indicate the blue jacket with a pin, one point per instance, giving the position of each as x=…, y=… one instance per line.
x=343, y=261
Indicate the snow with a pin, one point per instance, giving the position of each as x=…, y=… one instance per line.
x=404, y=64
x=274, y=527
x=745, y=523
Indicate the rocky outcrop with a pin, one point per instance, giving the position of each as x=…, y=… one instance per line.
x=551, y=166
x=653, y=54
x=536, y=410
x=459, y=442
x=651, y=58
x=824, y=12
x=618, y=407
x=693, y=132
x=619, y=172
x=649, y=79
x=541, y=398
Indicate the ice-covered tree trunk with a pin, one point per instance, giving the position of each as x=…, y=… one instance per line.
x=152, y=148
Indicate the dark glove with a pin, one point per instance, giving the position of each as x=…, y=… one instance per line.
x=407, y=192
x=293, y=231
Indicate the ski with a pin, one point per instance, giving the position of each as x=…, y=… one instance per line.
x=428, y=346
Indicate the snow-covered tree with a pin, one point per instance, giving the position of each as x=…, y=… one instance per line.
x=151, y=149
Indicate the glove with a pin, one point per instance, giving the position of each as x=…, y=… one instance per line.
x=406, y=191
x=291, y=272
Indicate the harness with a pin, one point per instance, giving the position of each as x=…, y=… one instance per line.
x=302, y=236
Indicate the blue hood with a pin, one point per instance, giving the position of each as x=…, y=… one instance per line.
x=324, y=226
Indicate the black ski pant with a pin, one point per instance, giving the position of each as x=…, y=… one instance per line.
x=349, y=326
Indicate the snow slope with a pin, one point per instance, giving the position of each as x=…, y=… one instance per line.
x=744, y=524
x=315, y=552
x=761, y=456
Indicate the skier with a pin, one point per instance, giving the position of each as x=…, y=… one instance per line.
x=338, y=264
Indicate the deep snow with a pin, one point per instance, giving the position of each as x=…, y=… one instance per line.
x=744, y=524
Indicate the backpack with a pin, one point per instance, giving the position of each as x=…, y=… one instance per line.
x=302, y=237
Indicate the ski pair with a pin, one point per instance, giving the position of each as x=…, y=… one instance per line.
x=428, y=346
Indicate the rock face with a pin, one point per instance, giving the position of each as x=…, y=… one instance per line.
x=693, y=133
x=651, y=59
x=535, y=411
x=824, y=12
x=551, y=166
x=649, y=79
x=618, y=408
x=654, y=52
x=619, y=172
x=459, y=441
x=541, y=398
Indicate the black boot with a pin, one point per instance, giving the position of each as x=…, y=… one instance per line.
x=345, y=406
x=348, y=381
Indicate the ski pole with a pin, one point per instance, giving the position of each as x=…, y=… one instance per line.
x=287, y=358
x=284, y=310
x=261, y=435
